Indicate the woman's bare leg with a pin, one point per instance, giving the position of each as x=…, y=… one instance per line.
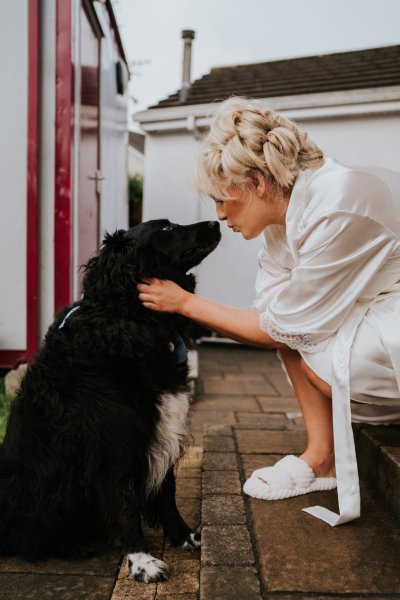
x=317, y=411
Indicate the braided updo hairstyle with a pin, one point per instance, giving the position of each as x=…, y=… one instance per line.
x=245, y=137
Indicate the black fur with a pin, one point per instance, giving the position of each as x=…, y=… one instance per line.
x=74, y=462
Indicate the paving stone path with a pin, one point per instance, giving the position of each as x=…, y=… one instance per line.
x=244, y=417
x=254, y=549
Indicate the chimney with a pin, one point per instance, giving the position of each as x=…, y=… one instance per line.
x=187, y=36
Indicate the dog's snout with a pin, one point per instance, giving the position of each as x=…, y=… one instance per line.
x=213, y=224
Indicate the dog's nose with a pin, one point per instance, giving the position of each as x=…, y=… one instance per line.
x=213, y=224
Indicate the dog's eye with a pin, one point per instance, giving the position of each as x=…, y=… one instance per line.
x=167, y=228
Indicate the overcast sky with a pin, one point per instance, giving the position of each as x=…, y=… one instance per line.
x=230, y=32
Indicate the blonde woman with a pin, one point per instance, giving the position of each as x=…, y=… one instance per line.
x=327, y=290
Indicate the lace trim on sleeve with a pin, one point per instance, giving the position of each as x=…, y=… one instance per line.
x=294, y=339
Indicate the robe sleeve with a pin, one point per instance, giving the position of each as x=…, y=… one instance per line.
x=275, y=264
x=339, y=254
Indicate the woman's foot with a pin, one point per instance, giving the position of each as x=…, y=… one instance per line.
x=323, y=464
x=290, y=476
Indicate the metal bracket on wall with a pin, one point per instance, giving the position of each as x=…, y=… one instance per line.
x=191, y=126
x=98, y=178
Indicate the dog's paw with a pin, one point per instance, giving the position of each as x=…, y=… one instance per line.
x=193, y=542
x=147, y=569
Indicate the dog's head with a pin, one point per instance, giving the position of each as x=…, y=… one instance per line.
x=168, y=249
x=156, y=248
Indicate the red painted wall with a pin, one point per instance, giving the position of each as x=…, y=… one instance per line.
x=63, y=216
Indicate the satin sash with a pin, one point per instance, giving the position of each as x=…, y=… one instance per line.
x=348, y=488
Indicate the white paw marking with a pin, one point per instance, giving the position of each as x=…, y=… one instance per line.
x=186, y=546
x=194, y=541
x=144, y=567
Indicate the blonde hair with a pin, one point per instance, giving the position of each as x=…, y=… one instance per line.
x=245, y=137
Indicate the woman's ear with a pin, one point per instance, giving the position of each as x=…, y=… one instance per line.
x=259, y=182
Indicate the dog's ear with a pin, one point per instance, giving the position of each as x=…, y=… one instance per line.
x=117, y=239
x=129, y=237
x=110, y=274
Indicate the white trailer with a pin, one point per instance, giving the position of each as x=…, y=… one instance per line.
x=63, y=157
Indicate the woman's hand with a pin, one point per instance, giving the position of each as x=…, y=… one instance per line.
x=236, y=323
x=162, y=295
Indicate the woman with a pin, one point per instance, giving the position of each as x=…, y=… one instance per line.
x=328, y=288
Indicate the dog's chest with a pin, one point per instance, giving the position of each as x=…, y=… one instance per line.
x=170, y=433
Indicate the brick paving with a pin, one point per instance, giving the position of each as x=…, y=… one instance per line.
x=245, y=388
x=292, y=554
x=65, y=580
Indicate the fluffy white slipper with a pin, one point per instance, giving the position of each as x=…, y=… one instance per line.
x=290, y=476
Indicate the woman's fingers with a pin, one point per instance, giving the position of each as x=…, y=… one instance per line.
x=148, y=284
x=161, y=295
x=147, y=281
x=147, y=300
x=147, y=296
x=150, y=305
x=144, y=297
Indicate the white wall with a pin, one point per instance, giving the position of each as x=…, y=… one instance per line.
x=228, y=274
x=356, y=141
x=114, y=136
x=167, y=189
x=13, y=161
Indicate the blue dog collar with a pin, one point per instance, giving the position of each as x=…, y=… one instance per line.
x=70, y=313
x=180, y=349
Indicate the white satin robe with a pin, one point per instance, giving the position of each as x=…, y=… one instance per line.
x=329, y=286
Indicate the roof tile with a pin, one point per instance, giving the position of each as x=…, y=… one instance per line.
x=374, y=67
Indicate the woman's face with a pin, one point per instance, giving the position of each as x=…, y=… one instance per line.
x=252, y=209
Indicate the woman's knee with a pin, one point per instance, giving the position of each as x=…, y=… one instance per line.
x=313, y=378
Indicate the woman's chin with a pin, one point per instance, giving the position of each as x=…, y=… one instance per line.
x=248, y=235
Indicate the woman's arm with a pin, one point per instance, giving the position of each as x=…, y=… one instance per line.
x=235, y=323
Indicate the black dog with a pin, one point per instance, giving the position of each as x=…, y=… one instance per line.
x=101, y=416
